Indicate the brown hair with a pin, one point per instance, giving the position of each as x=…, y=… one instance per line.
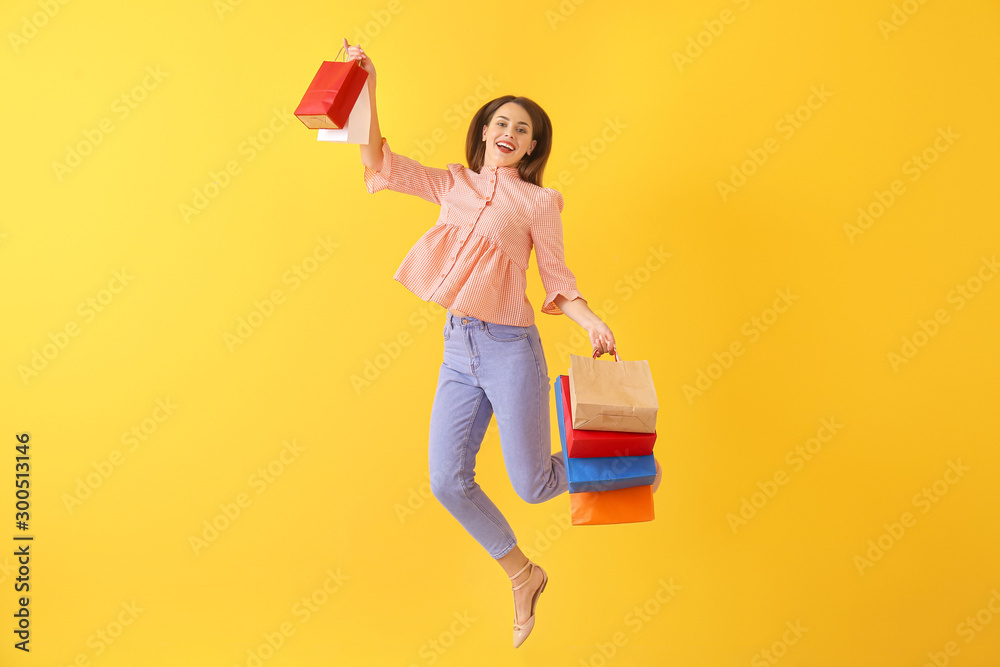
x=531, y=165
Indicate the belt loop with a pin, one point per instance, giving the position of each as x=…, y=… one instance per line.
x=482, y=325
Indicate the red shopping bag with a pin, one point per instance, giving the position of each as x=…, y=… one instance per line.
x=332, y=94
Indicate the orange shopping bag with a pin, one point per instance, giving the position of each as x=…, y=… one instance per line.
x=629, y=505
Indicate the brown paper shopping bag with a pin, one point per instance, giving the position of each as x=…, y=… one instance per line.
x=612, y=395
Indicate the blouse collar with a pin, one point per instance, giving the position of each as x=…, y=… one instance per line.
x=506, y=170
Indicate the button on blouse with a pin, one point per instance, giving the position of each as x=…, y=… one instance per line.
x=475, y=257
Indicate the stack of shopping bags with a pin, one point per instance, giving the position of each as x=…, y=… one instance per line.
x=607, y=423
x=337, y=103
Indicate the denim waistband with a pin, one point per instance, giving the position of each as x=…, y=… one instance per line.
x=455, y=321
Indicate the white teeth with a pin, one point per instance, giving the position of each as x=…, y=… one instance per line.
x=505, y=145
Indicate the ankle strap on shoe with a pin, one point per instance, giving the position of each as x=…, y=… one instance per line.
x=518, y=573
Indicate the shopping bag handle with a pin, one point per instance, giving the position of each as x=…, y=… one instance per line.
x=343, y=49
x=614, y=352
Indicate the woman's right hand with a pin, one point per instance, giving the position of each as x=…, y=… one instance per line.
x=357, y=53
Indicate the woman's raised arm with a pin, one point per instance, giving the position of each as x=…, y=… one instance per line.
x=371, y=153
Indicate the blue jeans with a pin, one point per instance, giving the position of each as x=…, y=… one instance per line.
x=491, y=369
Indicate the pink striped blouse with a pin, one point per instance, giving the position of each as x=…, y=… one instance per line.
x=475, y=256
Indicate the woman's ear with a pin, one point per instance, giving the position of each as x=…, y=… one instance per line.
x=532, y=147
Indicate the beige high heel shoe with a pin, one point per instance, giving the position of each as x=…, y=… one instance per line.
x=522, y=631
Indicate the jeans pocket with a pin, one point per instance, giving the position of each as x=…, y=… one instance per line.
x=505, y=333
x=447, y=330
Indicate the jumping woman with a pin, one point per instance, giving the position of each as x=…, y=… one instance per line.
x=473, y=262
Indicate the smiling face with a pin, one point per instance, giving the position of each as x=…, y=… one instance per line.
x=508, y=136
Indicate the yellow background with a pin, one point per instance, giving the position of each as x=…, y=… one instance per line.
x=351, y=509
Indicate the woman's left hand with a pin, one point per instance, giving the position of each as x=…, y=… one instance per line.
x=601, y=339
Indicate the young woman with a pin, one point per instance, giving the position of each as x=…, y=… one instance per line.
x=473, y=262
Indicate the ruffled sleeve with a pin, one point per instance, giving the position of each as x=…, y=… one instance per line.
x=402, y=174
x=547, y=237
